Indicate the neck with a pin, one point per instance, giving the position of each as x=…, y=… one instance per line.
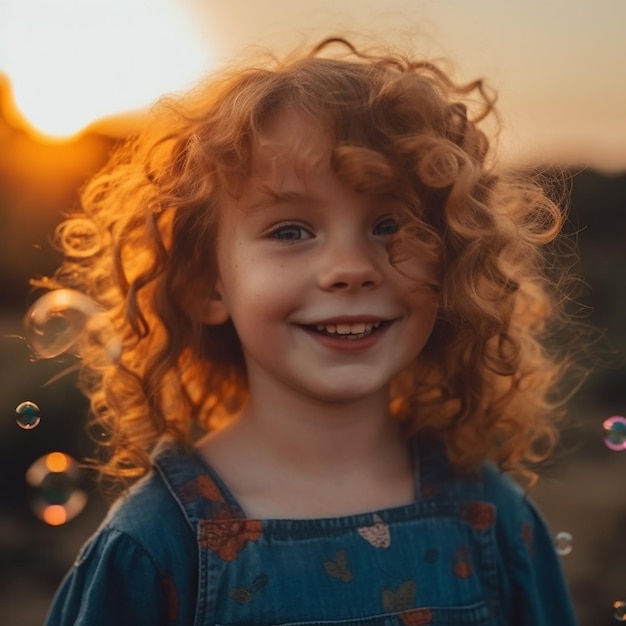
x=290, y=456
x=311, y=437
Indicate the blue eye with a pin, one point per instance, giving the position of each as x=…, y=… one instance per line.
x=386, y=227
x=290, y=232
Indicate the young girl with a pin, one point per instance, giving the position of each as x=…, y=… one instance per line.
x=334, y=311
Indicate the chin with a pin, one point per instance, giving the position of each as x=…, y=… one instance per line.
x=345, y=394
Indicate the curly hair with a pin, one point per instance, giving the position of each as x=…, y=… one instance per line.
x=143, y=246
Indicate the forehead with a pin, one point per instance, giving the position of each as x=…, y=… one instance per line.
x=290, y=144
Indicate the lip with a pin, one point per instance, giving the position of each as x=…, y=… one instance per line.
x=337, y=343
x=347, y=319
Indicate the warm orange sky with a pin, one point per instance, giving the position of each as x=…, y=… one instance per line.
x=559, y=66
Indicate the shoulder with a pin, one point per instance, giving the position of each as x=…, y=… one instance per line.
x=145, y=548
x=531, y=575
x=499, y=488
x=522, y=533
x=516, y=515
x=151, y=516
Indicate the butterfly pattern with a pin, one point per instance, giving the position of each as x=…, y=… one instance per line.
x=226, y=533
x=402, y=598
x=338, y=567
x=245, y=595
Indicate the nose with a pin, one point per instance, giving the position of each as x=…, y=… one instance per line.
x=350, y=266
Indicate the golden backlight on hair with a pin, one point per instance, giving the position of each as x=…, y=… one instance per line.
x=486, y=381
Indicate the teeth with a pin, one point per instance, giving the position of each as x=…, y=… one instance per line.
x=358, y=328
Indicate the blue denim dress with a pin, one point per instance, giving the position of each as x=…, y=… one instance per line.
x=179, y=550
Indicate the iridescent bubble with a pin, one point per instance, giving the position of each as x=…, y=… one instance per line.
x=615, y=433
x=619, y=610
x=102, y=337
x=58, y=320
x=27, y=415
x=563, y=543
x=58, y=496
x=79, y=237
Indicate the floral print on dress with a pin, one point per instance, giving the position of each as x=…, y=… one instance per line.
x=227, y=535
x=430, y=490
x=527, y=537
x=377, y=534
x=462, y=565
x=431, y=555
x=170, y=594
x=479, y=515
x=201, y=487
x=417, y=617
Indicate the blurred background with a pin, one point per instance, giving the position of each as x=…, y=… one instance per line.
x=75, y=76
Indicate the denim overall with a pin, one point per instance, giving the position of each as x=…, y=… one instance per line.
x=178, y=550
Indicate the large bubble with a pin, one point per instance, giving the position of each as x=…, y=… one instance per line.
x=56, y=482
x=619, y=610
x=59, y=320
x=27, y=415
x=564, y=543
x=615, y=433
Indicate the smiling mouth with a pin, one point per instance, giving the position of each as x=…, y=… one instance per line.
x=356, y=330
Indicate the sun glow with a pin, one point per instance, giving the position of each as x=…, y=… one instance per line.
x=71, y=62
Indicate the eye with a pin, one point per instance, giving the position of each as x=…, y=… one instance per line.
x=386, y=227
x=290, y=232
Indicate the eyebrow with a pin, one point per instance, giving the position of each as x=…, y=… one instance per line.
x=273, y=197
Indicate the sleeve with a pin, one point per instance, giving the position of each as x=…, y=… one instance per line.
x=114, y=581
x=537, y=588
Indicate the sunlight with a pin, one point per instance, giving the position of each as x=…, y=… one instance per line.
x=71, y=62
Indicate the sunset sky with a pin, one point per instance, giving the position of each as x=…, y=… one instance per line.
x=558, y=66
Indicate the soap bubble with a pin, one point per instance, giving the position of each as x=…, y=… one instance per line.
x=619, y=610
x=27, y=415
x=563, y=543
x=58, y=320
x=79, y=237
x=56, y=482
x=615, y=433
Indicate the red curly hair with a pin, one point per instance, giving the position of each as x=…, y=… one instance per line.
x=144, y=245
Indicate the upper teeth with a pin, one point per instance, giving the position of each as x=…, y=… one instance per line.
x=348, y=329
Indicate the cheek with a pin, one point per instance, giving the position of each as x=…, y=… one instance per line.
x=254, y=288
x=425, y=308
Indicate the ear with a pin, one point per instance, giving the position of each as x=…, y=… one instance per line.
x=210, y=308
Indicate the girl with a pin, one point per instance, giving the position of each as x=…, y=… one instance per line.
x=334, y=315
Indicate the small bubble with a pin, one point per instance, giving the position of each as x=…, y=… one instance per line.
x=79, y=237
x=60, y=319
x=57, y=493
x=615, y=433
x=563, y=543
x=619, y=610
x=27, y=415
